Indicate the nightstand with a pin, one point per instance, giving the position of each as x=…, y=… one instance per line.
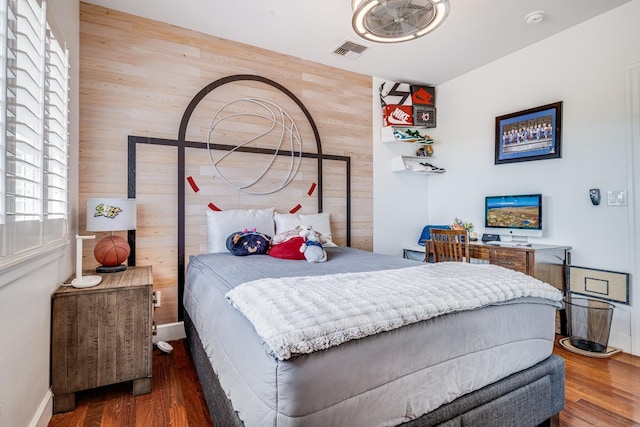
x=102, y=335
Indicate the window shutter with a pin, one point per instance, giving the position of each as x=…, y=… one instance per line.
x=56, y=139
x=34, y=204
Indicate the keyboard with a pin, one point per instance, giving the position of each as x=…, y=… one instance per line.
x=507, y=243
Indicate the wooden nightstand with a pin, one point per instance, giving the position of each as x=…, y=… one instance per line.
x=102, y=335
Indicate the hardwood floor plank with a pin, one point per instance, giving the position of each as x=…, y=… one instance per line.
x=118, y=411
x=73, y=418
x=193, y=397
x=178, y=417
x=599, y=392
x=589, y=412
x=144, y=413
x=175, y=388
x=94, y=414
x=161, y=388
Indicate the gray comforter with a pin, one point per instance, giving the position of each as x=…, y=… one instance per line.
x=379, y=380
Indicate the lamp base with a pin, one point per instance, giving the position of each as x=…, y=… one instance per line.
x=114, y=269
x=86, y=281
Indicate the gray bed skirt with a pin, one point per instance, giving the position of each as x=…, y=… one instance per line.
x=531, y=397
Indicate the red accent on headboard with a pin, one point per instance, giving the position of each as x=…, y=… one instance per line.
x=193, y=184
x=213, y=207
x=295, y=209
x=311, y=189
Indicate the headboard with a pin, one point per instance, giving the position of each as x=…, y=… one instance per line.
x=186, y=186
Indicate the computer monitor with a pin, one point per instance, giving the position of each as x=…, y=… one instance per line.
x=518, y=216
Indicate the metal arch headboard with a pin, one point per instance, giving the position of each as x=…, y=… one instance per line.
x=182, y=144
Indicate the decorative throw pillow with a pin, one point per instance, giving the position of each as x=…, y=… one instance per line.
x=245, y=242
x=289, y=249
x=221, y=223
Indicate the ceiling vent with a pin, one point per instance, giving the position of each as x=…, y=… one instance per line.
x=350, y=50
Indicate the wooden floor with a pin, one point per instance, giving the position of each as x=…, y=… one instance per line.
x=175, y=400
x=599, y=392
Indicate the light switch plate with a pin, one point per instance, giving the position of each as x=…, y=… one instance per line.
x=617, y=198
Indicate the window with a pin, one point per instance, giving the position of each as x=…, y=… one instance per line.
x=33, y=144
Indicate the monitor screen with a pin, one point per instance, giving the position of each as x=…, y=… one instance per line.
x=522, y=212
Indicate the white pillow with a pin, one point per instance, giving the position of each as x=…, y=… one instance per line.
x=220, y=224
x=285, y=222
x=320, y=222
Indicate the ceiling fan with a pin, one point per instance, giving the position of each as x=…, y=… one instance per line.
x=393, y=21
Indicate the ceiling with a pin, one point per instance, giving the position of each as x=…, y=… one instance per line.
x=475, y=32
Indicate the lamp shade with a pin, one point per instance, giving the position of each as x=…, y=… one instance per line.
x=111, y=214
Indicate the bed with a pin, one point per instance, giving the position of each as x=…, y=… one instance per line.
x=486, y=366
x=489, y=365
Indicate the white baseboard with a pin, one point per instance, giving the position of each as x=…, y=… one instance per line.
x=170, y=332
x=44, y=413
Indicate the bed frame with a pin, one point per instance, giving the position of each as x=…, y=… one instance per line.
x=531, y=397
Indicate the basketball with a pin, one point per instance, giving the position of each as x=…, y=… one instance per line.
x=111, y=251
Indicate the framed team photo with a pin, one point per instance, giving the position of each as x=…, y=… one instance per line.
x=533, y=134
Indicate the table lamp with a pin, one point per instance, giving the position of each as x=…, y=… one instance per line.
x=111, y=214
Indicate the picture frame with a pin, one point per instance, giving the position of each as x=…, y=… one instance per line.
x=532, y=134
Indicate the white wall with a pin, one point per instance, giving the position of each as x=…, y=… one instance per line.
x=584, y=67
x=400, y=205
x=25, y=292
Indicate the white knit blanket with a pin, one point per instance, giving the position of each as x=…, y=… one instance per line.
x=299, y=315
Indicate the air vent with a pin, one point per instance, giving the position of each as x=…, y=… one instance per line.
x=350, y=50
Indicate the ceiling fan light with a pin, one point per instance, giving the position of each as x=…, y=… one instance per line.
x=375, y=38
x=394, y=21
x=361, y=13
x=441, y=13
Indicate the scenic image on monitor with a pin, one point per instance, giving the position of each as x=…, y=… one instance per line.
x=513, y=212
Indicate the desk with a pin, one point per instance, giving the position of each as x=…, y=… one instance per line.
x=548, y=263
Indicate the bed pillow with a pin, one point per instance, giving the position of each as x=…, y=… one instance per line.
x=220, y=224
x=289, y=249
x=243, y=243
x=320, y=223
x=285, y=222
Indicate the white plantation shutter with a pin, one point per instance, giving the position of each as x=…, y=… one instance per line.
x=56, y=139
x=4, y=72
x=34, y=146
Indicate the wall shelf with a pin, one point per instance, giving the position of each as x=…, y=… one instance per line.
x=415, y=164
x=398, y=135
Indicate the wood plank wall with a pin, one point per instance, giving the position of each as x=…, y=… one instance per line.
x=137, y=76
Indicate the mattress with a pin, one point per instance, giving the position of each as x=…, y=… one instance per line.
x=384, y=379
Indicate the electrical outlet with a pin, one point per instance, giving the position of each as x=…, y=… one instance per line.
x=156, y=298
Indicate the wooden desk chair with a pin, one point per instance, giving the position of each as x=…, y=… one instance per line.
x=450, y=245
